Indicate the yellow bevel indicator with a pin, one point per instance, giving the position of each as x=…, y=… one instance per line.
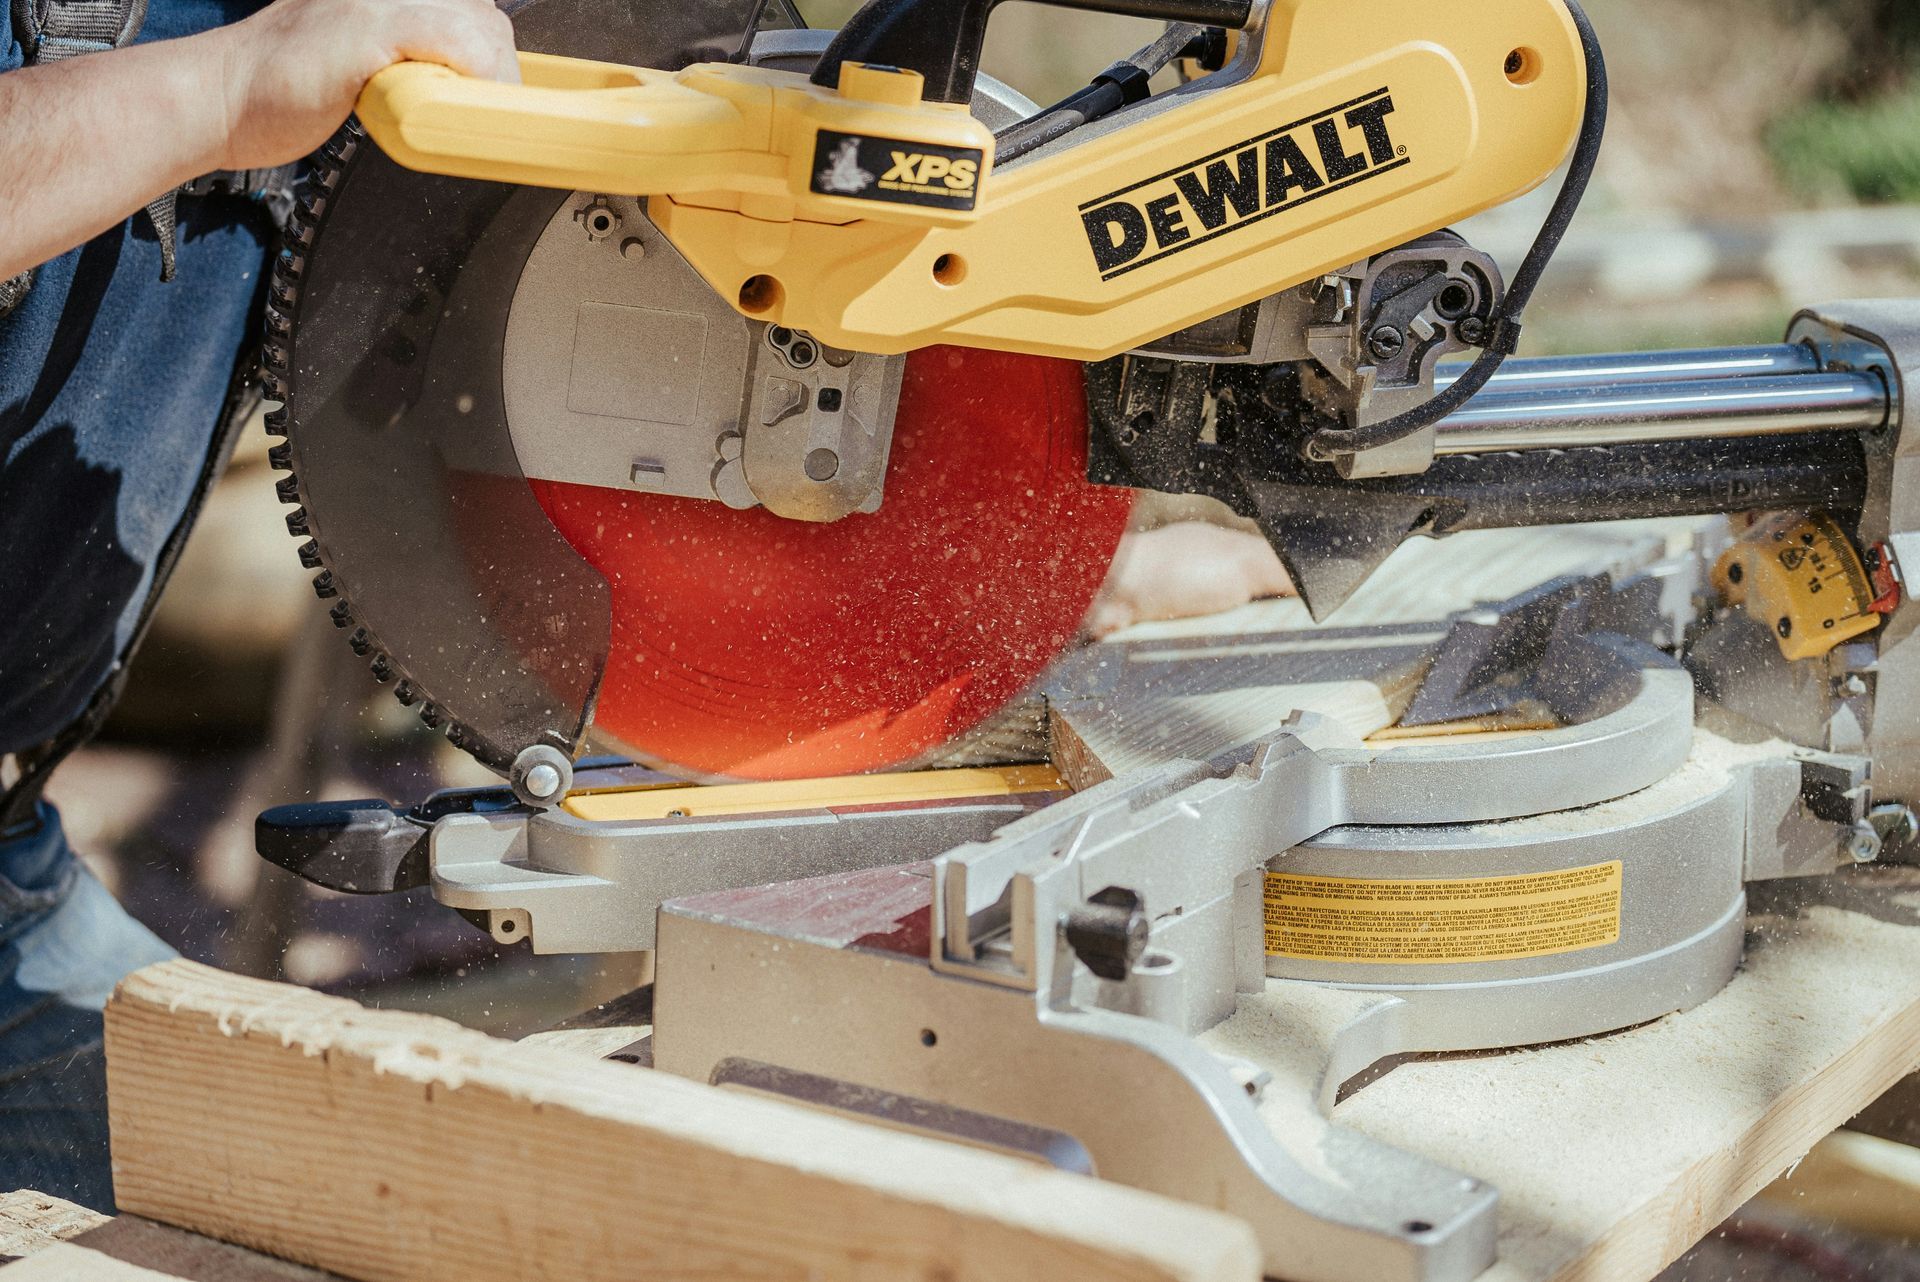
x=1422, y=922
x=675, y=801
x=1798, y=574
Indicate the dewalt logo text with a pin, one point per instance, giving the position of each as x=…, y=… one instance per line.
x=1257, y=178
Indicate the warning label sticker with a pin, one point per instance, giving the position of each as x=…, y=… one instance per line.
x=1410, y=922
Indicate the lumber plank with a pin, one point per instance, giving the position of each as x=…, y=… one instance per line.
x=1615, y=1154
x=388, y=1145
x=607, y=1029
x=1866, y=1183
x=130, y=1249
x=1119, y=706
x=31, y=1220
x=1433, y=578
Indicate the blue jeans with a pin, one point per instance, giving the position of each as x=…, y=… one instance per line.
x=64, y=943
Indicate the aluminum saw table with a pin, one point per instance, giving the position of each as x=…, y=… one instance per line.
x=339, y=1133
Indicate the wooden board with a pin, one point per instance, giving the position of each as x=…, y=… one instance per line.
x=130, y=1249
x=1615, y=1154
x=31, y=1221
x=387, y=1145
x=1429, y=579
x=1195, y=687
x=1868, y=1184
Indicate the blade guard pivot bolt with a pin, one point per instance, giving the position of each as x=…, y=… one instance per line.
x=541, y=775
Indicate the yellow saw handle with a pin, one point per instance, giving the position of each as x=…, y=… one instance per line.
x=743, y=137
x=570, y=123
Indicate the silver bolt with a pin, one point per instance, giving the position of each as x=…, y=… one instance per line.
x=822, y=464
x=543, y=780
x=1853, y=685
x=599, y=218
x=1863, y=843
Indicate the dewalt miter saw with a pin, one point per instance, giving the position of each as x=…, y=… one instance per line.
x=790, y=353
x=760, y=406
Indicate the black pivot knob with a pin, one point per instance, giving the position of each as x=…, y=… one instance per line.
x=1109, y=932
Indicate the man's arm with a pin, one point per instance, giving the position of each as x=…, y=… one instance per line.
x=86, y=141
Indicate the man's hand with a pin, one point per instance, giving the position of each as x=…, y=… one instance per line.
x=97, y=137
x=293, y=70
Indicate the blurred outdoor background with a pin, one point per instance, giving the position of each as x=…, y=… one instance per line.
x=1763, y=155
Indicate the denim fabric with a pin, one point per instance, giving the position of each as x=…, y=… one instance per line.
x=64, y=943
x=111, y=387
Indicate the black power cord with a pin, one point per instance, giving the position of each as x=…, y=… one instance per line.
x=1121, y=85
x=1503, y=336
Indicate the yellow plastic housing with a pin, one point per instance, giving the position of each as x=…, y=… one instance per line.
x=1358, y=128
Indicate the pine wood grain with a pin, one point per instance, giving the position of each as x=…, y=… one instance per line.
x=1615, y=1154
x=31, y=1221
x=130, y=1249
x=387, y=1145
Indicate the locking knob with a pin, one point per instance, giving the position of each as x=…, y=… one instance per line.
x=873, y=82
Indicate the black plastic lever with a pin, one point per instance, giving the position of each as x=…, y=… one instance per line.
x=942, y=39
x=365, y=847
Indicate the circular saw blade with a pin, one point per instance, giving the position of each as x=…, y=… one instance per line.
x=742, y=644
x=747, y=645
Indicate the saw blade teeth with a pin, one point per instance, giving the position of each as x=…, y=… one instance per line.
x=280, y=458
x=405, y=692
x=323, y=585
x=339, y=149
x=274, y=356
x=382, y=668
x=310, y=554
x=361, y=642
x=288, y=488
x=431, y=716
x=341, y=614
x=275, y=421
x=297, y=524
x=273, y=385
